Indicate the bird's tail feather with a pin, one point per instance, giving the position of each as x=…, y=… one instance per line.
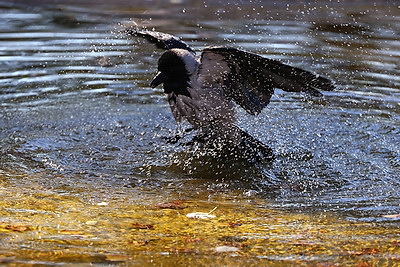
x=253, y=148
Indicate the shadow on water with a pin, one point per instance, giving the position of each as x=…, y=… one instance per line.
x=84, y=162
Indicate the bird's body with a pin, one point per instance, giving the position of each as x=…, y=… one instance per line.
x=205, y=103
x=201, y=89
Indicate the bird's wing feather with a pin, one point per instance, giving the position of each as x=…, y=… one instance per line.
x=250, y=79
x=161, y=40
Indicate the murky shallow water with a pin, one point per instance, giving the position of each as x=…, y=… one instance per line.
x=84, y=159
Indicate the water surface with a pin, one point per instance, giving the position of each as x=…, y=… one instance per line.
x=84, y=160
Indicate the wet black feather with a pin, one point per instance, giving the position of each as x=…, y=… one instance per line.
x=252, y=78
x=161, y=40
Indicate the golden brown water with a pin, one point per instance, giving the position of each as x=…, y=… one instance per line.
x=92, y=225
x=87, y=178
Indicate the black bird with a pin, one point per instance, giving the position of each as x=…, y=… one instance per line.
x=201, y=89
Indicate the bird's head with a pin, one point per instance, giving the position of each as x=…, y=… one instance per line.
x=175, y=67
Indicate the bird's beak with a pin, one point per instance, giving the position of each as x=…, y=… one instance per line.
x=158, y=79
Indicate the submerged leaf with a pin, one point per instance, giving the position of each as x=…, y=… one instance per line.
x=175, y=204
x=234, y=224
x=142, y=226
x=366, y=251
x=18, y=228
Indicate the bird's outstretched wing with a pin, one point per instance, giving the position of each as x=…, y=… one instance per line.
x=250, y=79
x=161, y=40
